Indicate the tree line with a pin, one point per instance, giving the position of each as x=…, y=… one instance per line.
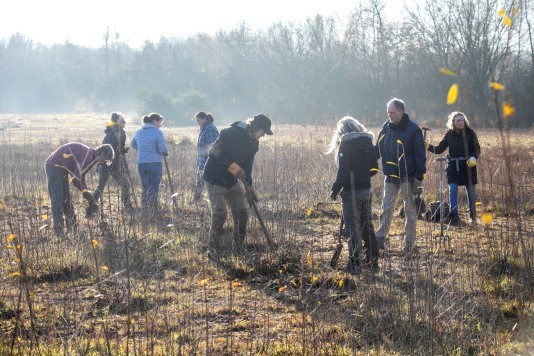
x=308, y=72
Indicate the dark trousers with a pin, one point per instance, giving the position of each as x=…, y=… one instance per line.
x=60, y=200
x=358, y=226
x=121, y=177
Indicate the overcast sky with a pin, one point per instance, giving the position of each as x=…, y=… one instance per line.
x=85, y=22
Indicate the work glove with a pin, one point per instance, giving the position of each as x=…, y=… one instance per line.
x=471, y=162
x=417, y=186
x=333, y=196
x=92, y=208
x=251, y=195
x=237, y=171
x=426, y=145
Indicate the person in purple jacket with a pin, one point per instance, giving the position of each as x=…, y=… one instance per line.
x=74, y=159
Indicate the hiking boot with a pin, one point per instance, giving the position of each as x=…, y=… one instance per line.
x=381, y=241
x=353, y=267
x=240, y=228
x=129, y=209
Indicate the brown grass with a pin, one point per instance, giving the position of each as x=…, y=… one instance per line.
x=471, y=293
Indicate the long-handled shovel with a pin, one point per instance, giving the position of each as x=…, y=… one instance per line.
x=339, y=247
x=443, y=237
x=127, y=171
x=262, y=224
x=173, y=195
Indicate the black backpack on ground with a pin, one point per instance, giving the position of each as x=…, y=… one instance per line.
x=433, y=212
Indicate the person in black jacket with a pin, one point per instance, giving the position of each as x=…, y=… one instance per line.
x=116, y=137
x=401, y=146
x=464, y=151
x=230, y=160
x=357, y=163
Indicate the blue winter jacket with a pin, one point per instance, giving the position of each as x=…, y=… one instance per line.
x=149, y=143
x=402, y=150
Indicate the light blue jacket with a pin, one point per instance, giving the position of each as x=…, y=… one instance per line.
x=149, y=143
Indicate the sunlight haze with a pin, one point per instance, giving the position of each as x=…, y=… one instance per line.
x=84, y=23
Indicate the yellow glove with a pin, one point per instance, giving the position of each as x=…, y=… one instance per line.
x=471, y=162
x=426, y=145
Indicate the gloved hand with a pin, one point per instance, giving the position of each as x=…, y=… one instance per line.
x=471, y=162
x=426, y=145
x=251, y=195
x=88, y=196
x=93, y=206
x=165, y=154
x=237, y=171
x=417, y=186
x=333, y=197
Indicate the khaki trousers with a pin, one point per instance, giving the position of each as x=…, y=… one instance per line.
x=391, y=192
x=234, y=197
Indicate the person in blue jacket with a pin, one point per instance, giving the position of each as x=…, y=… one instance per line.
x=401, y=147
x=206, y=137
x=150, y=145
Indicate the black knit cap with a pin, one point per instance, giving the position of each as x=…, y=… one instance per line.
x=263, y=122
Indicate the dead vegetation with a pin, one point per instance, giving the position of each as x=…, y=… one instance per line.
x=120, y=290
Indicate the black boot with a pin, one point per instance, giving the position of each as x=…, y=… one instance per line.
x=216, y=234
x=240, y=227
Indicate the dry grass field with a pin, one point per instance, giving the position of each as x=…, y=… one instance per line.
x=116, y=289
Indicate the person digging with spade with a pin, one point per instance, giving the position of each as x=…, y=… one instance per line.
x=230, y=160
x=74, y=159
x=357, y=163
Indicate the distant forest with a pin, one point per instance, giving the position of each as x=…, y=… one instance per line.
x=309, y=72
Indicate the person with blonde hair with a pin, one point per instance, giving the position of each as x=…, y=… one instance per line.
x=354, y=153
x=464, y=151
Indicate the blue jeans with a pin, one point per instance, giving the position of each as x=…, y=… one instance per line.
x=471, y=199
x=150, y=175
x=358, y=226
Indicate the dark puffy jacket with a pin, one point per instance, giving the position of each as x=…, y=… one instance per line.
x=462, y=145
x=116, y=137
x=233, y=145
x=357, y=158
x=402, y=150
